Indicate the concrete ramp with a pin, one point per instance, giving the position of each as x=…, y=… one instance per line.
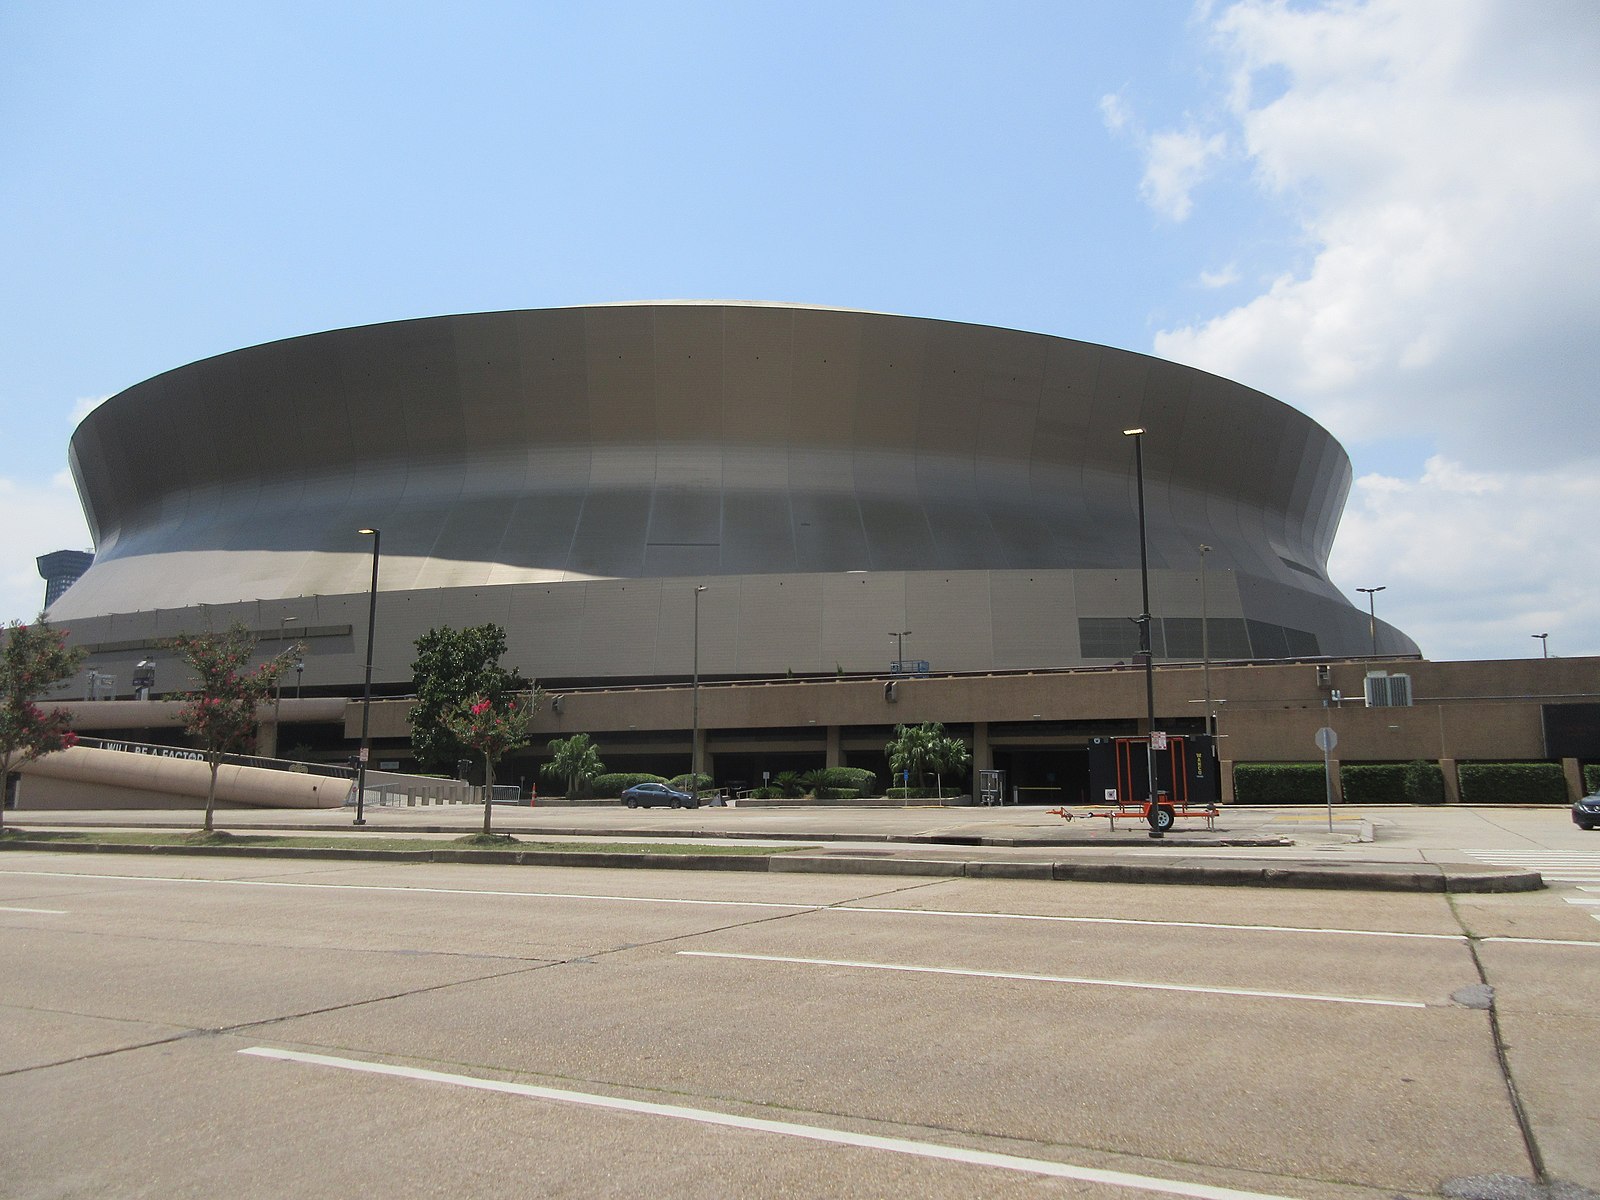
x=85, y=777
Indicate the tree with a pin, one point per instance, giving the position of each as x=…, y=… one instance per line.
x=576, y=763
x=221, y=711
x=493, y=726
x=921, y=750
x=33, y=661
x=454, y=668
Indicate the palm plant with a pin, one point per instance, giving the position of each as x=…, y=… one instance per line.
x=575, y=762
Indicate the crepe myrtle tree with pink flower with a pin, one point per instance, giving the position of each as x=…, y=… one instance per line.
x=221, y=712
x=493, y=726
x=34, y=660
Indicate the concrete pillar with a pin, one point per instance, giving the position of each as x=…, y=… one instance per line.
x=1452, y=781
x=1573, y=770
x=1225, y=791
x=835, y=748
x=982, y=755
x=267, y=739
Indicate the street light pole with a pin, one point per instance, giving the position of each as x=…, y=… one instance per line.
x=366, y=694
x=1153, y=814
x=1205, y=644
x=1372, y=614
x=1544, y=643
x=900, y=649
x=694, y=732
x=277, y=692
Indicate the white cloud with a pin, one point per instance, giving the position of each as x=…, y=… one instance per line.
x=1475, y=563
x=41, y=517
x=1438, y=155
x=1176, y=162
x=1438, y=159
x=1225, y=277
x=83, y=407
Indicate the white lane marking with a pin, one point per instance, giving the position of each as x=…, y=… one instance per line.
x=1582, y=900
x=815, y=1133
x=1070, y=979
x=941, y=912
x=429, y=891
x=1546, y=941
x=54, y=912
x=842, y=907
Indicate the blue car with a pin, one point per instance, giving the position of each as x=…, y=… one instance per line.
x=647, y=795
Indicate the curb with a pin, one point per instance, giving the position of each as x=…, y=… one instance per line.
x=1360, y=877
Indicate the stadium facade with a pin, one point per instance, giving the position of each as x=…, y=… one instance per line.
x=828, y=476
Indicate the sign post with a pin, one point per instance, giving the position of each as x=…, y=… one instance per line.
x=1327, y=739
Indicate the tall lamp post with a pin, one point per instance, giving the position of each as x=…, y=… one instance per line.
x=694, y=704
x=900, y=637
x=277, y=692
x=1544, y=643
x=1153, y=813
x=366, y=694
x=1372, y=614
x=1205, y=644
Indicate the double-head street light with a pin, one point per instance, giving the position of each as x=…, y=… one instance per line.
x=694, y=703
x=1544, y=642
x=277, y=688
x=1154, y=813
x=366, y=694
x=1372, y=614
x=899, y=636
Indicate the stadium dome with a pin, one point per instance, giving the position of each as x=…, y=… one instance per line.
x=829, y=476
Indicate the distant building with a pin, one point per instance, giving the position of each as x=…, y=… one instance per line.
x=60, y=570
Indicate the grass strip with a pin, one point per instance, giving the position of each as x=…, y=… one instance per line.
x=476, y=841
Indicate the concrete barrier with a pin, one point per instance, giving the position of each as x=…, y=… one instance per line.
x=82, y=777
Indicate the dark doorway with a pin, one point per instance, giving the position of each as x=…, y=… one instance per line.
x=1058, y=775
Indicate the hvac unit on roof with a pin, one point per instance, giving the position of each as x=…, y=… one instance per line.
x=1388, y=691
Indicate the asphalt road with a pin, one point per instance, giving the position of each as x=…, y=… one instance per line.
x=237, y=1027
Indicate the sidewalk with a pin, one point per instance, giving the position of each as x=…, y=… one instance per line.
x=1248, y=847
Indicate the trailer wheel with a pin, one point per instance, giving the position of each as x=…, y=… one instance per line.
x=1164, y=817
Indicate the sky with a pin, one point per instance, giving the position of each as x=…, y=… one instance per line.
x=1384, y=214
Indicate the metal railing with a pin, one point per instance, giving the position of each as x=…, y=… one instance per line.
x=190, y=754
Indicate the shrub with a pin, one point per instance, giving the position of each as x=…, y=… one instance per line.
x=1513, y=783
x=922, y=793
x=681, y=782
x=1591, y=777
x=612, y=785
x=864, y=782
x=1279, y=783
x=1373, y=783
x=1424, y=783
x=764, y=793
x=788, y=785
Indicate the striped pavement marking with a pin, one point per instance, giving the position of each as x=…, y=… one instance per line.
x=814, y=1133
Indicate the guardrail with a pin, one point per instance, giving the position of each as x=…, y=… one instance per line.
x=189, y=753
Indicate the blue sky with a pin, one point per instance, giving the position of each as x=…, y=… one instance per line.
x=1387, y=226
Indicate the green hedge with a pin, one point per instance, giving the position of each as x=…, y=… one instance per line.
x=611, y=786
x=925, y=793
x=1373, y=783
x=1279, y=783
x=1513, y=783
x=681, y=782
x=1424, y=783
x=838, y=779
x=1591, y=778
x=1392, y=783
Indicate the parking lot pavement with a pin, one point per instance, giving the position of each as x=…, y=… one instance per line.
x=326, y=1028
